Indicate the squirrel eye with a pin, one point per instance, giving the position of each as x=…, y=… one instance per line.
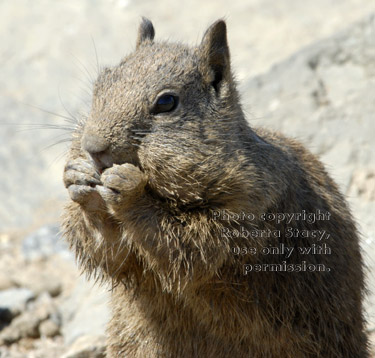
x=165, y=103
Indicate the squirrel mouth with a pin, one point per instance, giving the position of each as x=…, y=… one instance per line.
x=101, y=161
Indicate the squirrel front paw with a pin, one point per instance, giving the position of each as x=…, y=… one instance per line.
x=81, y=179
x=121, y=185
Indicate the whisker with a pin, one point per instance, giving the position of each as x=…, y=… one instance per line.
x=136, y=137
x=70, y=119
x=39, y=126
x=85, y=87
x=65, y=108
x=140, y=131
x=85, y=70
x=96, y=56
x=65, y=140
x=59, y=157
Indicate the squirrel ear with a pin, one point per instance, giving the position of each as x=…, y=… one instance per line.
x=145, y=31
x=214, y=53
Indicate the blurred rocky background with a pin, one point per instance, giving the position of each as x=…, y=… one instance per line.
x=306, y=68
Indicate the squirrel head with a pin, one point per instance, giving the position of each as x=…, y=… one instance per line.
x=171, y=110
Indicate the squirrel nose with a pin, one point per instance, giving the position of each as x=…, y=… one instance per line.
x=94, y=144
x=98, y=149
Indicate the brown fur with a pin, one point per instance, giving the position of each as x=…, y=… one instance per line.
x=144, y=189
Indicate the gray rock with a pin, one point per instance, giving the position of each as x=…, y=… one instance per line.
x=323, y=95
x=44, y=307
x=49, y=328
x=85, y=311
x=40, y=281
x=40, y=317
x=87, y=347
x=363, y=184
x=4, y=353
x=45, y=242
x=52, y=287
x=14, y=300
x=5, y=281
x=25, y=325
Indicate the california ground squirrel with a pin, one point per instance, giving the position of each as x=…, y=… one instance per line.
x=220, y=240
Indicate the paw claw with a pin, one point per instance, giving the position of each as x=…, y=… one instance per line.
x=109, y=196
x=125, y=178
x=81, y=179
